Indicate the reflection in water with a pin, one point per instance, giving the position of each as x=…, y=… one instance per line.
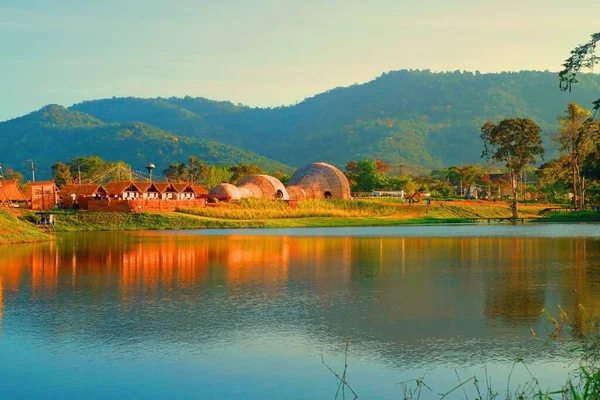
x=407, y=303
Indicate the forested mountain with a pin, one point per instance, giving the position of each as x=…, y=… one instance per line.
x=410, y=117
x=56, y=133
x=403, y=117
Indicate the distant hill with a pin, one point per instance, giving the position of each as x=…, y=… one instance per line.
x=404, y=117
x=56, y=133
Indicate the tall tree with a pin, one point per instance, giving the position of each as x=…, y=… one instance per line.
x=197, y=170
x=241, y=171
x=366, y=175
x=176, y=172
x=582, y=57
x=576, y=138
x=216, y=175
x=10, y=174
x=515, y=142
x=61, y=174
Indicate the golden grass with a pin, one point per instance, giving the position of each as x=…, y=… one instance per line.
x=253, y=209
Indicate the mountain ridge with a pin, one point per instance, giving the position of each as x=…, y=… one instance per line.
x=415, y=117
x=407, y=117
x=56, y=133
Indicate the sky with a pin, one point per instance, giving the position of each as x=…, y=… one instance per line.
x=265, y=52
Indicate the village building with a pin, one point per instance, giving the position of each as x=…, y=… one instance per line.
x=185, y=191
x=78, y=196
x=42, y=195
x=123, y=190
x=10, y=192
x=148, y=190
x=200, y=191
x=167, y=191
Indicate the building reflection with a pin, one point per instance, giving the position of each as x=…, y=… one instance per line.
x=364, y=286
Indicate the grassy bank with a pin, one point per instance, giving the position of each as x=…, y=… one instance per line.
x=15, y=230
x=254, y=209
x=574, y=216
x=269, y=214
x=115, y=221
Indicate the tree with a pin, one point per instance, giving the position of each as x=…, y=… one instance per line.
x=576, y=138
x=10, y=174
x=197, y=170
x=582, y=57
x=176, y=172
x=463, y=176
x=216, y=175
x=91, y=168
x=241, y=171
x=515, y=142
x=283, y=177
x=366, y=175
x=61, y=174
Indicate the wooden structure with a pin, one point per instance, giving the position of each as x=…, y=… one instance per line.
x=319, y=181
x=200, y=190
x=143, y=205
x=185, y=191
x=10, y=192
x=167, y=191
x=263, y=187
x=78, y=196
x=226, y=191
x=123, y=190
x=42, y=195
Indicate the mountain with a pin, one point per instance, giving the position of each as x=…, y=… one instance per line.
x=405, y=117
x=56, y=133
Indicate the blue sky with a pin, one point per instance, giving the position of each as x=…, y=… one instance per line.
x=263, y=52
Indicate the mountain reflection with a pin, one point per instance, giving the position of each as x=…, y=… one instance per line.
x=388, y=290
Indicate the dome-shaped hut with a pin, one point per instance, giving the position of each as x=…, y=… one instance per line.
x=226, y=191
x=320, y=181
x=263, y=187
x=296, y=193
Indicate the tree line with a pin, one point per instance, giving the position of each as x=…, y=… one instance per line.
x=94, y=169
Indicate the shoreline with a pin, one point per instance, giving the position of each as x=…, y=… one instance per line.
x=19, y=230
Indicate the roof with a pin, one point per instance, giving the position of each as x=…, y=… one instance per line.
x=143, y=186
x=118, y=187
x=81, y=190
x=164, y=186
x=10, y=191
x=199, y=189
x=38, y=184
x=181, y=187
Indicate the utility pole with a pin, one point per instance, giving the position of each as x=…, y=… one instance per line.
x=79, y=173
x=32, y=171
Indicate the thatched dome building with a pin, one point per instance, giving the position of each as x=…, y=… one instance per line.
x=319, y=181
x=226, y=191
x=263, y=187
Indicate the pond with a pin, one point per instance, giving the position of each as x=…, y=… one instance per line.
x=249, y=313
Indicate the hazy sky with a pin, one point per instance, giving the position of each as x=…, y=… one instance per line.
x=265, y=52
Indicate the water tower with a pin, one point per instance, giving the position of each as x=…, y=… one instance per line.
x=150, y=167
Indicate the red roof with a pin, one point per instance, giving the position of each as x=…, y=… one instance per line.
x=165, y=186
x=50, y=185
x=118, y=187
x=199, y=189
x=182, y=187
x=10, y=191
x=83, y=190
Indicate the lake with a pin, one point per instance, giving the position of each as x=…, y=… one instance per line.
x=249, y=313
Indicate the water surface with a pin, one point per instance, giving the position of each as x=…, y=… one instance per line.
x=248, y=314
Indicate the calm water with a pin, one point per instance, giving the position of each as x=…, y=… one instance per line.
x=248, y=314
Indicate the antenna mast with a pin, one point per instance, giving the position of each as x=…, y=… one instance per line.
x=32, y=171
